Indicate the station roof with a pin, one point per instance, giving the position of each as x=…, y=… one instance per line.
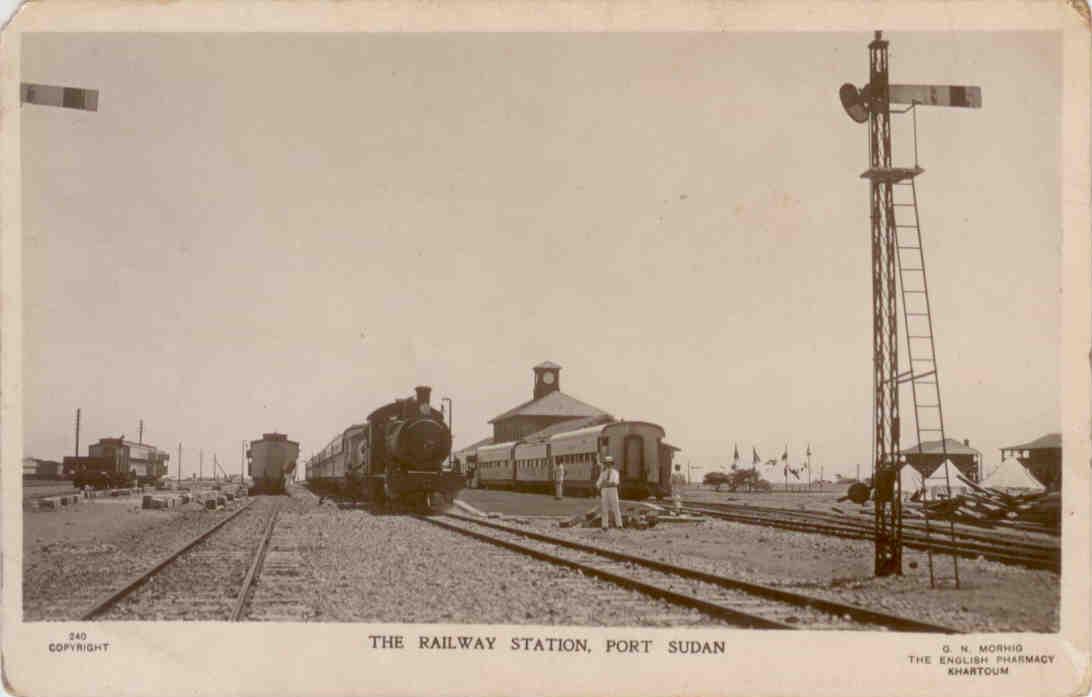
x=566, y=426
x=556, y=403
x=546, y=365
x=473, y=446
x=1047, y=442
x=933, y=447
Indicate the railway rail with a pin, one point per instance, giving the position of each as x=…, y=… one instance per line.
x=728, y=600
x=200, y=580
x=967, y=544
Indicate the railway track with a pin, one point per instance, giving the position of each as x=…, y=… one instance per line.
x=967, y=544
x=209, y=577
x=727, y=600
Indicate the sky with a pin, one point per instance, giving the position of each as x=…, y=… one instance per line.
x=284, y=232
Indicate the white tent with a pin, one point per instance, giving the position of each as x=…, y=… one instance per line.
x=910, y=481
x=936, y=486
x=1010, y=475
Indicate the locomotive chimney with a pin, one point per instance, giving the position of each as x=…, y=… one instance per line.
x=423, y=394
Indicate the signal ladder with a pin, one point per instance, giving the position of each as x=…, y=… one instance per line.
x=921, y=367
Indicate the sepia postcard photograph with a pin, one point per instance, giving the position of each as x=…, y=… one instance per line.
x=566, y=349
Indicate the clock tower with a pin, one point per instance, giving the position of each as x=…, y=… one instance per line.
x=547, y=379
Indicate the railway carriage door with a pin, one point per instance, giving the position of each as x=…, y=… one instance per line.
x=633, y=457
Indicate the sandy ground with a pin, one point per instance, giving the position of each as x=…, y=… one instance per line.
x=991, y=597
x=73, y=553
x=509, y=503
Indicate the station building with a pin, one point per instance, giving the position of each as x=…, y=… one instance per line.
x=549, y=412
x=548, y=406
x=930, y=456
x=1041, y=457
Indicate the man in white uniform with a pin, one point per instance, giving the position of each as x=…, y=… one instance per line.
x=608, y=484
x=559, y=480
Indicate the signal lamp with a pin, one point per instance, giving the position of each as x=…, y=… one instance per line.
x=853, y=101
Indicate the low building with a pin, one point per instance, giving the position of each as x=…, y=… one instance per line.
x=1042, y=457
x=927, y=458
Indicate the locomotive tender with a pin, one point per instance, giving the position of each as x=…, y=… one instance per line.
x=270, y=461
x=644, y=460
x=397, y=454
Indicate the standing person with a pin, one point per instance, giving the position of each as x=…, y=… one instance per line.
x=559, y=480
x=607, y=484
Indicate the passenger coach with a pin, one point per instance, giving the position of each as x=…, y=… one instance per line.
x=644, y=460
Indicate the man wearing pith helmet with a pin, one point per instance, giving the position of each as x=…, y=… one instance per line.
x=608, y=484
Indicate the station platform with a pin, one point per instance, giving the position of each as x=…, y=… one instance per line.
x=530, y=504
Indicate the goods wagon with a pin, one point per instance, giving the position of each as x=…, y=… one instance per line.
x=269, y=462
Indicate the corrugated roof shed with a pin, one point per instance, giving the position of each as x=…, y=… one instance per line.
x=1050, y=440
x=555, y=403
x=954, y=447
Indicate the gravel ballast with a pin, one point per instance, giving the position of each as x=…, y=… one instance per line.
x=393, y=568
x=73, y=556
x=993, y=597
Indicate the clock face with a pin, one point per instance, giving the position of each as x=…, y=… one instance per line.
x=548, y=378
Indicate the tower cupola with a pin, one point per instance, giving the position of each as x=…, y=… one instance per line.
x=547, y=379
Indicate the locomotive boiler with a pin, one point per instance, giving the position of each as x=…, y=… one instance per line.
x=397, y=454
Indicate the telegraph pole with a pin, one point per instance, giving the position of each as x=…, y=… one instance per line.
x=77, y=432
x=140, y=436
x=809, y=466
x=179, y=464
x=201, y=465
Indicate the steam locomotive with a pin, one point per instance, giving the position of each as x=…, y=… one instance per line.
x=397, y=454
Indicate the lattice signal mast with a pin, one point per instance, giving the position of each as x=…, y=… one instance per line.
x=898, y=267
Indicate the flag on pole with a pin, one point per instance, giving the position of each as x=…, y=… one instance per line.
x=809, y=449
x=735, y=455
x=755, y=459
x=795, y=473
x=785, y=455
